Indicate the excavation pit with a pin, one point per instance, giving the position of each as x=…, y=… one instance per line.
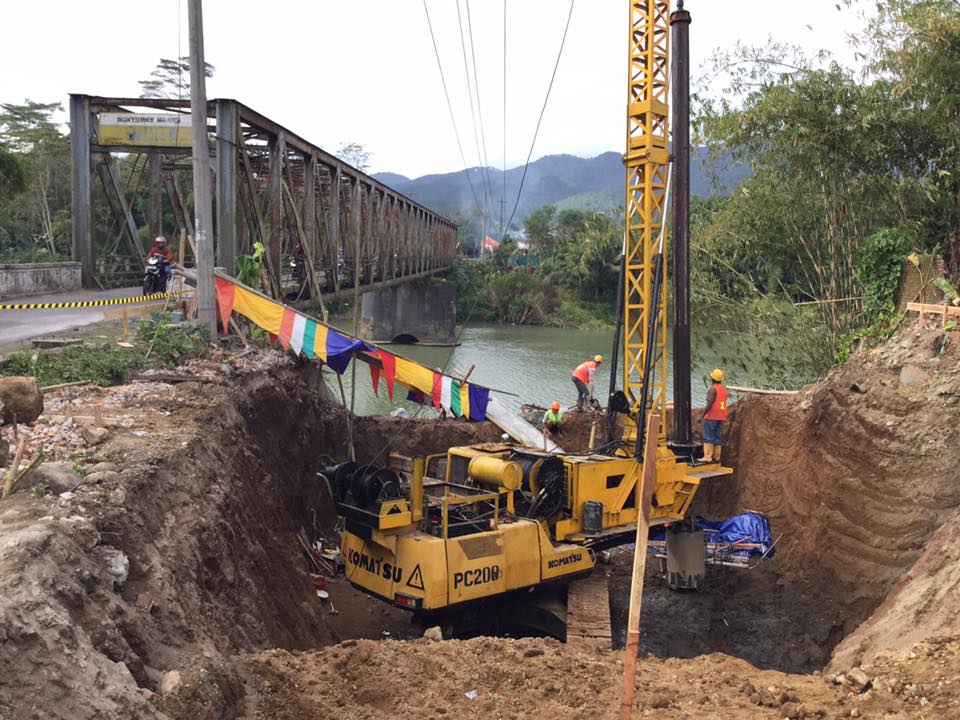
x=218, y=613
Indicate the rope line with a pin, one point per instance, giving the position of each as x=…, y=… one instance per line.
x=453, y=119
x=546, y=99
x=476, y=89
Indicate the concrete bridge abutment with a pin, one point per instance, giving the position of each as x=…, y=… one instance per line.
x=421, y=311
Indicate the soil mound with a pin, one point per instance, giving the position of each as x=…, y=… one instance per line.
x=534, y=678
x=924, y=603
x=857, y=472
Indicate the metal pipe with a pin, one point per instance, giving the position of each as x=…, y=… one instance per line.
x=680, y=74
x=615, y=351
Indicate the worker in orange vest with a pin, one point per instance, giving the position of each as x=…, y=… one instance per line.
x=714, y=416
x=583, y=380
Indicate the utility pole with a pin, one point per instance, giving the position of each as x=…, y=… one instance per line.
x=202, y=203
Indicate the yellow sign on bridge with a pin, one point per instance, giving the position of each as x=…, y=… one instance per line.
x=139, y=129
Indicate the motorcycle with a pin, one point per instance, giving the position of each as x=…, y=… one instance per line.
x=155, y=275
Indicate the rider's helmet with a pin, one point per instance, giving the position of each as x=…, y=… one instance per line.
x=555, y=407
x=160, y=241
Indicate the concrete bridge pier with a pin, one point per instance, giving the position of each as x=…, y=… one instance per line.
x=421, y=311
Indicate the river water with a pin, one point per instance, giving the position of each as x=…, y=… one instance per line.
x=534, y=363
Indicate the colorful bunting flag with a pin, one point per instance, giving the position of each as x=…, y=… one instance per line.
x=340, y=350
x=479, y=397
x=389, y=369
x=225, y=298
x=455, y=398
x=262, y=312
x=301, y=334
x=286, y=327
x=296, y=333
x=309, y=338
x=414, y=375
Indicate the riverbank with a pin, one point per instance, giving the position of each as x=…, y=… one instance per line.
x=488, y=292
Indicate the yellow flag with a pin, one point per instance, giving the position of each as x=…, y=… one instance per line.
x=263, y=313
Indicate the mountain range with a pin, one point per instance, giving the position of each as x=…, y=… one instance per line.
x=566, y=181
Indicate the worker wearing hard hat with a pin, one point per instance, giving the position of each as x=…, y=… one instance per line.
x=552, y=423
x=714, y=416
x=583, y=379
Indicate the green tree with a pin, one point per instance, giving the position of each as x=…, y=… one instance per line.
x=915, y=47
x=12, y=179
x=170, y=79
x=42, y=155
x=541, y=227
x=355, y=154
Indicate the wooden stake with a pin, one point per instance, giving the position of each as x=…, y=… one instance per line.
x=237, y=329
x=14, y=467
x=60, y=386
x=639, y=566
x=761, y=391
x=181, y=250
x=343, y=398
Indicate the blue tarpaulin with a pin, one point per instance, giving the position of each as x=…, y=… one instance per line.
x=748, y=528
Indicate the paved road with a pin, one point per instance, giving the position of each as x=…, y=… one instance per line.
x=18, y=325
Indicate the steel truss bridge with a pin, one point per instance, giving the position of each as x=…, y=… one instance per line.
x=321, y=221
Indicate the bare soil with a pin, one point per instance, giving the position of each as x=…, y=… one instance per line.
x=535, y=678
x=218, y=617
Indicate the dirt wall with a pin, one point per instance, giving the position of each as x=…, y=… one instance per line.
x=857, y=472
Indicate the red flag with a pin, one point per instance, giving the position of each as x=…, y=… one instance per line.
x=389, y=369
x=437, y=389
x=286, y=327
x=375, y=378
x=225, y=298
x=273, y=339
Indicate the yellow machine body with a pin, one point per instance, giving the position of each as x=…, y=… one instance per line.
x=420, y=557
x=420, y=571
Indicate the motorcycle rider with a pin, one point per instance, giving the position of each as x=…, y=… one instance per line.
x=160, y=248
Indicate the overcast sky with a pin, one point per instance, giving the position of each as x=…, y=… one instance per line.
x=337, y=71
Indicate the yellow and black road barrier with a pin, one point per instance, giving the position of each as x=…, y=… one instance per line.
x=89, y=303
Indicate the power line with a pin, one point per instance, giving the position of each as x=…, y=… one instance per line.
x=476, y=87
x=503, y=196
x=473, y=117
x=556, y=65
x=453, y=119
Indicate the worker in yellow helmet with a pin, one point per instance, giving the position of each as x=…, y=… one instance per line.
x=714, y=416
x=552, y=423
x=583, y=380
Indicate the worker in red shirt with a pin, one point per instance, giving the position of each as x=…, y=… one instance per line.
x=714, y=416
x=583, y=380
